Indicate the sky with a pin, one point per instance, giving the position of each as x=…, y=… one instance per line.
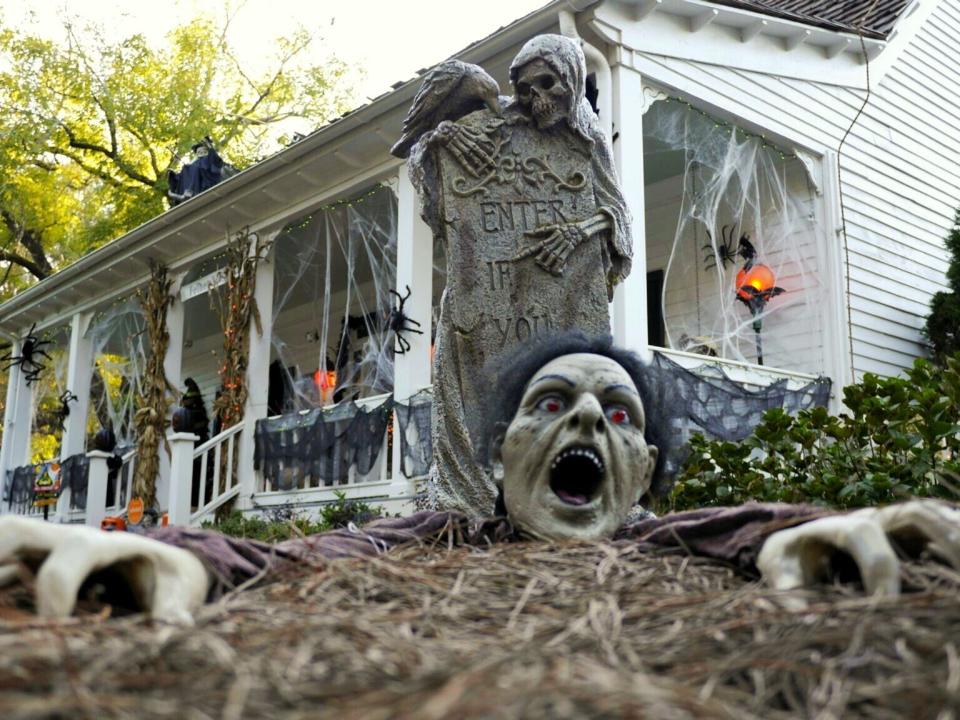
x=389, y=39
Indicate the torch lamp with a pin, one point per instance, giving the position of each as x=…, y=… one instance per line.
x=756, y=285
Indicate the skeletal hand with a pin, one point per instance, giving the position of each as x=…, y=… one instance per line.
x=557, y=242
x=800, y=556
x=466, y=146
x=169, y=583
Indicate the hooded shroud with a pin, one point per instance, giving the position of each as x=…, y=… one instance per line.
x=566, y=58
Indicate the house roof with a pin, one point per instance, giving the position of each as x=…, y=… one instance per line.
x=876, y=18
x=359, y=139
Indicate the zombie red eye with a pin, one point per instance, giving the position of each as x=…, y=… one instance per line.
x=618, y=415
x=551, y=404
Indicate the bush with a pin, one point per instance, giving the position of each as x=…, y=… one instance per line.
x=943, y=323
x=901, y=440
x=285, y=523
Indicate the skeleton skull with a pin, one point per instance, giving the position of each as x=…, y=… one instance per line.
x=542, y=91
x=573, y=461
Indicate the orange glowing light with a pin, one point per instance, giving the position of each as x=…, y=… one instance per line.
x=758, y=277
x=325, y=380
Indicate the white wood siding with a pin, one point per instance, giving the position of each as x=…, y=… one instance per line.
x=902, y=183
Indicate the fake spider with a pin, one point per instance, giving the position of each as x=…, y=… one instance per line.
x=727, y=251
x=400, y=323
x=29, y=360
x=63, y=411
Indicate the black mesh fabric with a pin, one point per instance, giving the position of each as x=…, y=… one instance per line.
x=20, y=493
x=416, y=439
x=318, y=447
x=706, y=400
x=74, y=474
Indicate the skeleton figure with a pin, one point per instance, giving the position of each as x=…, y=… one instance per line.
x=549, y=75
x=572, y=454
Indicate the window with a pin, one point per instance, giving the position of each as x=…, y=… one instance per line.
x=719, y=199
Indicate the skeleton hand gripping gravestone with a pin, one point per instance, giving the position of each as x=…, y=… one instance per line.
x=167, y=582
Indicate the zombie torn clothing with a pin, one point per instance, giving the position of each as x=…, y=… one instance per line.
x=732, y=535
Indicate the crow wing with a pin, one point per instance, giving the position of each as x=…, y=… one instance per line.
x=449, y=91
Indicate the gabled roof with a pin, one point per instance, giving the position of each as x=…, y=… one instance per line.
x=875, y=18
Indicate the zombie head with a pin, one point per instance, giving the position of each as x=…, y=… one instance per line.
x=571, y=448
x=549, y=77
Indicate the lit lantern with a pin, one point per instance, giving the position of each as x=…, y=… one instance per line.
x=756, y=285
x=326, y=381
x=758, y=277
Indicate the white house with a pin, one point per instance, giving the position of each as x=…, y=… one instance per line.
x=825, y=132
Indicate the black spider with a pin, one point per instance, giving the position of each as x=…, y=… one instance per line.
x=400, y=323
x=28, y=360
x=64, y=410
x=727, y=251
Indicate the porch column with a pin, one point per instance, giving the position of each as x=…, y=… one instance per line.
x=258, y=373
x=172, y=367
x=10, y=453
x=411, y=370
x=79, y=372
x=629, y=311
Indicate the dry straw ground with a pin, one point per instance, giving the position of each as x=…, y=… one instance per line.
x=525, y=630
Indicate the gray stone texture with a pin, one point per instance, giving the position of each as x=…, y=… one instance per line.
x=536, y=233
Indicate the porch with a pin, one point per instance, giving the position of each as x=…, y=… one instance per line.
x=346, y=244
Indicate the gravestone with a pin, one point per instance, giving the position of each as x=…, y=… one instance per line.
x=536, y=234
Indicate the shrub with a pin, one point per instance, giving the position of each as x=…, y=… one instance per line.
x=943, y=323
x=900, y=440
x=286, y=522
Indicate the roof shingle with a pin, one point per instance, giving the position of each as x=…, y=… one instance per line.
x=876, y=18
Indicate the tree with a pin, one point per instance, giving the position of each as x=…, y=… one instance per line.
x=943, y=323
x=90, y=128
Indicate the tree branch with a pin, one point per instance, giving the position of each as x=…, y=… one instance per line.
x=38, y=265
x=110, y=153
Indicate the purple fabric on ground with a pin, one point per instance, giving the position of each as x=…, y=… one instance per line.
x=734, y=535
x=232, y=561
x=731, y=534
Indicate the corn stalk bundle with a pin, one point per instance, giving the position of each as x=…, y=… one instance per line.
x=235, y=306
x=150, y=419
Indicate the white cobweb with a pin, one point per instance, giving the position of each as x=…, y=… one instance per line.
x=706, y=182
x=118, y=337
x=50, y=385
x=333, y=274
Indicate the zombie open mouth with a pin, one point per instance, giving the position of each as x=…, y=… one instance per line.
x=576, y=475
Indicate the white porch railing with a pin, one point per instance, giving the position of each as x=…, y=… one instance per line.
x=217, y=457
x=749, y=374
x=122, y=486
